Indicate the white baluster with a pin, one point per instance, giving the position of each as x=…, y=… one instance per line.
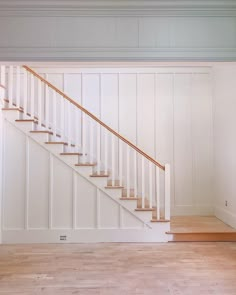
x=10, y=85
x=105, y=151
x=69, y=115
x=120, y=162
x=167, y=192
x=39, y=104
x=113, y=159
x=18, y=86
x=91, y=144
x=127, y=171
x=98, y=148
x=143, y=181
x=150, y=184
x=84, y=135
x=25, y=95
x=47, y=123
x=62, y=119
x=158, y=192
x=135, y=175
x=3, y=75
x=32, y=92
x=54, y=115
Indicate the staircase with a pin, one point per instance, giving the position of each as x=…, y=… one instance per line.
x=117, y=168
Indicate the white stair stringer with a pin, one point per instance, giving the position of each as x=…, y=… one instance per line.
x=151, y=229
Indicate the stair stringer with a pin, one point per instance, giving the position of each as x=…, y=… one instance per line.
x=150, y=232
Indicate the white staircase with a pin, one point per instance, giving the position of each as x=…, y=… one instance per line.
x=133, y=180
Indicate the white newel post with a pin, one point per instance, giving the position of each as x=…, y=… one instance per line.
x=167, y=191
x=2, y=96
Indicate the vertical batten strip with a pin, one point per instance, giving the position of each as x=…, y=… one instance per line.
x=84, y=137
x=25, y=93
x=10, y=85
x=62, y=118
x=3, y=75
x=47, y=116
x=158, y=192
x=113, y=160
x=98, y=209
x=74, y=200
x=54, y=110
x=167, y=191
x=27, y=173
x=50, y=197
x=128, y=171
x=105, y=151
x=120, y=162
x=91, y=140
x=150, y=184
x=39, y=104
x=32, y=91
x=143, y=181
x=98, y=148
x=18, y=86
x=68, y=119
x=121, y=217
x=135, y=175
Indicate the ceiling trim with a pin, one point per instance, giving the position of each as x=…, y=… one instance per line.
x=117, y=7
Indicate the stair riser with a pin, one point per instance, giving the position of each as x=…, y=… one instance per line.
x=84, y=170
x=144, y=215
x=70, y=159
x=11, y=116
x=129, y=204
x=25, y=126
x=115, y=193
x=40, y=137
x=99, y=181
x=55, y=148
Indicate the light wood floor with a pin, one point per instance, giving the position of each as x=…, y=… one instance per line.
x=198, y=224
x=117, y=269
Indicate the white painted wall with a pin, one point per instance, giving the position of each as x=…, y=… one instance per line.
x=166, y=111
x=225, y=143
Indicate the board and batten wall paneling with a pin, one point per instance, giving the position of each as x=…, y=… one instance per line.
x=166, y=111
x=225, y=143
x=42, y=193
x=14, y=186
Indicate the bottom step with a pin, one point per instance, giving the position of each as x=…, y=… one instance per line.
x=202, y=237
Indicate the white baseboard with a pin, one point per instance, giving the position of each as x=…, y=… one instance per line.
x=86, y=235
x=226, y=216
x=192, y=210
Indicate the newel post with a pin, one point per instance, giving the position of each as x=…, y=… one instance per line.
x=167, y=191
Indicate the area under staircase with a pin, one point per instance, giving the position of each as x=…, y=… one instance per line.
x=114, y=165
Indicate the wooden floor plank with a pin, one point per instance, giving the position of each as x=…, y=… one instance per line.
x=112, y=269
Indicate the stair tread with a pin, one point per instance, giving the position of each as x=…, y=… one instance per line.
x=25, y=120
x=71, y=154
x=99, y=175
x=85, y=164
x=131, y=199
x=160, y=220
x=41, y=131
x=56, y=142
x=115, y=186
x=12, y=109
x=145, y=209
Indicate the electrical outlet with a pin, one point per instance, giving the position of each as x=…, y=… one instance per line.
x=226, y=203
x=63, y=238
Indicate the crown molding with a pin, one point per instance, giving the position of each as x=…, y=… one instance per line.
x=117, y=7
x=117, y=54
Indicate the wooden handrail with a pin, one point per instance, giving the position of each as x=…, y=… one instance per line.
x=94, y=118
